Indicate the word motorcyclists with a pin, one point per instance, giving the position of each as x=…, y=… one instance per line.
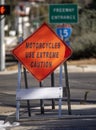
x=43, y=45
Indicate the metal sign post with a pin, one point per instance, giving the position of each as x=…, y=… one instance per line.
x=68, y=89
x=26, y=86
x=61, y=87
x=41, y=101
x=2, y=45
x=52, y=85
x=19, y=87
x=4, y=10
x=64, y=32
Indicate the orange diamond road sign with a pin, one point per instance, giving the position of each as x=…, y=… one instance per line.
x=42, y=52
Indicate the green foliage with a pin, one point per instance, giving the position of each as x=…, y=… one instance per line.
x=84, y=35
x=84, y=47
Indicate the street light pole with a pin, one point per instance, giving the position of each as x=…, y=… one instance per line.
x=2, y=45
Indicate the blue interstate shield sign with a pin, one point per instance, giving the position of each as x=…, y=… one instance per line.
x=64, y=32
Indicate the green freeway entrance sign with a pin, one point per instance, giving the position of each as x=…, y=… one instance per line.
x=63, y=13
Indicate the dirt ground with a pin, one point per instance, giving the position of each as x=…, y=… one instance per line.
x=82, y=62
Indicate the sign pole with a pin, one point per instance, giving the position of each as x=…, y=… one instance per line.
x=60, y=85
x=52, y=85
x=68, y=89
x=41, y=101
x=65, y=32
x=19, y=86
x=25, y=74
x=2, y=45
x=26, y=86
x=67, y=79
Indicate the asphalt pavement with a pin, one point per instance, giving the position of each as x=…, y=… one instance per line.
x=82, y=117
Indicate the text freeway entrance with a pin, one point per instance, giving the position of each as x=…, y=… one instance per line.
x=63, y=13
